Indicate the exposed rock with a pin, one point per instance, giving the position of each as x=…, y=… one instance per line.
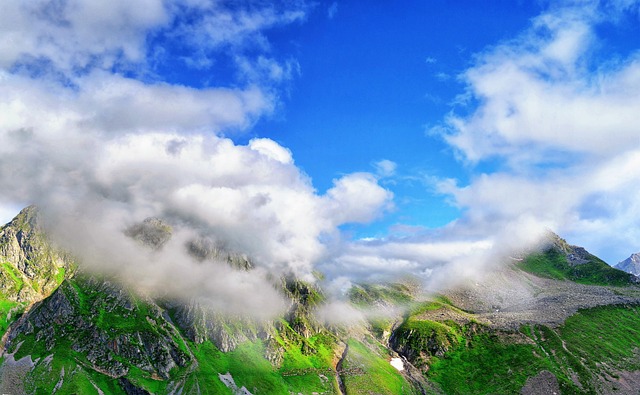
x=508, y=298
x=31, y=267
x=152, y=232
x=205, y=249
x=575, y=255
x=631, y=264
x=545, y=383
x=131, y=389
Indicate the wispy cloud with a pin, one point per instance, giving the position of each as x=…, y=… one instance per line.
x=561, y=120
x=332, y=10
x=385, y=168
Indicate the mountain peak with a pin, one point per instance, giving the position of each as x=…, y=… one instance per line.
x=27, y=219
x=32, y=267
x=631, y=264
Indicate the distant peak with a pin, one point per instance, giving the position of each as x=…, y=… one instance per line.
x=152, y=232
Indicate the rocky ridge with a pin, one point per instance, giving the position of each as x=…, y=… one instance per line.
x=31, y=267
x=631, y=264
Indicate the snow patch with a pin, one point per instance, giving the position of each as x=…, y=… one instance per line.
x=397, y=363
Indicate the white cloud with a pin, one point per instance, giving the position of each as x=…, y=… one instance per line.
x=98, y=151
x=357, y=198
x=77, y=34
x=271, y=149
x=559, y=121
x=540, y=94
x=561, y=118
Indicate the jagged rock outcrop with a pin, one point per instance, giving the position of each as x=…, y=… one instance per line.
x=91, y=333
x=152, y=232
x=205, y=249
x=200, y=324
x=575, y=255
x=304, y=298
x=109, y=327
x=631, y=264
x=30, y=266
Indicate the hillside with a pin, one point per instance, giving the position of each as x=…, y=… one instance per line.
x=554, y=320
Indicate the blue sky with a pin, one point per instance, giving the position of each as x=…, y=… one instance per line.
x=373, y=79
x=363, y=139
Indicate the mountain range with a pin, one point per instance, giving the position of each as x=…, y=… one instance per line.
x=555, y=319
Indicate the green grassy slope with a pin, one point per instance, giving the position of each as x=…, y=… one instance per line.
x=554, y=264
x=490, y=362
x=366, y=370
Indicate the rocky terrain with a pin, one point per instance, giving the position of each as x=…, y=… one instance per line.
x=31, y=266
x=509, y=298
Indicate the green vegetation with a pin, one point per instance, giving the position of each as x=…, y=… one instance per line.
x=250, y=369
x=609, y=334
x=437, y=303
x=364, y=295
x=553, y=264
x=500, y=362
x=366, y=370
x=60, y=275
x=486, y=365
x=307, y=363
x=9, y=312
x=11, y=279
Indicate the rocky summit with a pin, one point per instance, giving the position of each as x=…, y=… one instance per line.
x=631, y=264
x=555, y=320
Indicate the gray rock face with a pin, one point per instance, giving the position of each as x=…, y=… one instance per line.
x=31, y=266
x=631, y=264
x=200, y=324
x=204, y=249
x=575, y=255
x=152, y=232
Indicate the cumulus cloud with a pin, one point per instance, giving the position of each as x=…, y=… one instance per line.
x=559, y=117
x=77, y=34
x=546, y=94
x=100, y=150
x=554, y=118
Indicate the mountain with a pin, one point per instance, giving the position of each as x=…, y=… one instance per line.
x=90, y=334
x=560, y=260
x=631, y=264
x=556, y=319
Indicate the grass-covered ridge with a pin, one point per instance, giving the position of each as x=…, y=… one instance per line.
x=554, y=264
x=366, y=370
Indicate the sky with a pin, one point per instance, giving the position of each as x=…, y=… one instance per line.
x=361, y=139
